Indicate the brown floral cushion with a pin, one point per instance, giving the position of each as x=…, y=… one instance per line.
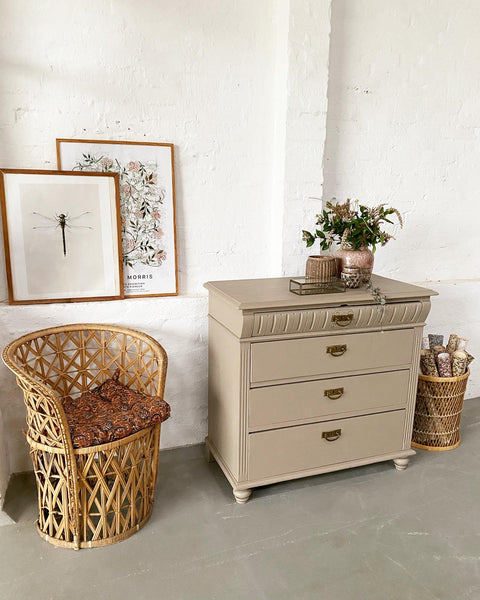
x=110, y=412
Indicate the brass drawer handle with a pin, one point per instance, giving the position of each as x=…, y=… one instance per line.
x=334, y=394
x=337, y=350
x=331, y=436
x=342, y=320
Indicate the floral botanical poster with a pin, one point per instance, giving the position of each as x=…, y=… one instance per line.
x=147, y=206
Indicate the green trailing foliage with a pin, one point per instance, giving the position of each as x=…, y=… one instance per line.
x=352, y=225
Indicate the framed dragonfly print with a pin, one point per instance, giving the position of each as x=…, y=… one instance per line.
x=147, y=201
x=62, y=236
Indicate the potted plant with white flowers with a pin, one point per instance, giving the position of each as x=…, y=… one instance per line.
x=357, y=229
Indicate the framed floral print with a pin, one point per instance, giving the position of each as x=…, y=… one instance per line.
x=62, y=236
x=147, y=205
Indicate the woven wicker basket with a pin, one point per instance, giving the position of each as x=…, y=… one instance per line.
x=99, y=495
x=438, y=410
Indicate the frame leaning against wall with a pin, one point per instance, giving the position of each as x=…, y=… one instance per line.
x=61, y=235
x=147, y=201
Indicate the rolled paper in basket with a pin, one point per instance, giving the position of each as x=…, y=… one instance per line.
x=438, y=350
x=459, y=363
x=427, y=363
x=452, y=343
x=462, y=344
x=444, y=362
x=434, y=340
x=425, y=343
x=469, y=358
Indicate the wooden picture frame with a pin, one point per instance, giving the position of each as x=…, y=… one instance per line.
x=147, y=204
x=62, y=236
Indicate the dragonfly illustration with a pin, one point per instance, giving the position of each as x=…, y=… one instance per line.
x=63, y=221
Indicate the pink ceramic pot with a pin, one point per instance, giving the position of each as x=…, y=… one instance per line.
x=362, y=258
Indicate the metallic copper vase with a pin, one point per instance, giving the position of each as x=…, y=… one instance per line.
x=362, y=258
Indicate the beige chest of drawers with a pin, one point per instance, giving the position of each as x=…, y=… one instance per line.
x=301, y=385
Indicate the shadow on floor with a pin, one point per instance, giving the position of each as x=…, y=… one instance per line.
x=18, y=499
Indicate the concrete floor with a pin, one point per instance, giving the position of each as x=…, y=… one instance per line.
x=367, y=533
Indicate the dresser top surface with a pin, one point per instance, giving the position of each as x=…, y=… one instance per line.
x=251, y=294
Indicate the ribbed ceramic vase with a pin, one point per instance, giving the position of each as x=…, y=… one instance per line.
x=321, y=267
x=362, y=258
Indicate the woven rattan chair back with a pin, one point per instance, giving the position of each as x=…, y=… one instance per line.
x=99, y=495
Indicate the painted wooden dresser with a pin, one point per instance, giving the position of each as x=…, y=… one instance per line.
x=301, y=385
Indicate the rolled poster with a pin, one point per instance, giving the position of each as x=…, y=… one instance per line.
x=459, y=363
x=452, y=343
x=427, y=363
x=444, y=362
x=438, y=350
x=434, y=339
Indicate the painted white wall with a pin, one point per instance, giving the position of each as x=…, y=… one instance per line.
x=217, y=78
x=403, y=128
x=305, y=103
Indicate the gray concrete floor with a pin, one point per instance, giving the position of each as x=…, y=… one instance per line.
x=367, y=533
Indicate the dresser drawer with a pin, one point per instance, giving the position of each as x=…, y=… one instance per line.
x=301, y=448
x=314, y=356
x=271, y=406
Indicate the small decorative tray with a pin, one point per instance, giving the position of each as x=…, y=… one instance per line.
x=309, y=285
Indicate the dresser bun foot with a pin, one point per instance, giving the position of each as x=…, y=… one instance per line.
x=401, y=463
x=241, y=496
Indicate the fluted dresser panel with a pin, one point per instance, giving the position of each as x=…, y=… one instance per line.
x=301, y=385
x=334, y=319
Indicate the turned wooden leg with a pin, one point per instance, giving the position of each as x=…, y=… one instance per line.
x=241, y=496
x=208, y=454
x=401, y=463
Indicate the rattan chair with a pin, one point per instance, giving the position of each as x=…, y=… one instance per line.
x=95, y=496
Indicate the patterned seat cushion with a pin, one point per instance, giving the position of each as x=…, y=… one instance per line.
x=110, y=412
